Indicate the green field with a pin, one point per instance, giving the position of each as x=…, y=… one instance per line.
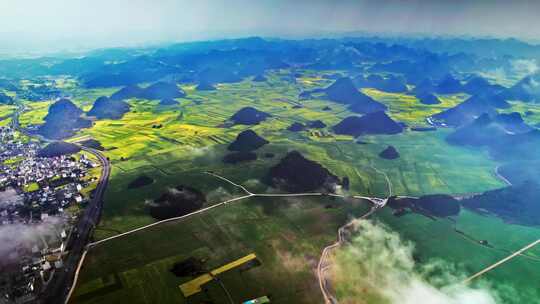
x=196, y=141
x=6, y=111
x=409, y=109
x=287, y=235
x=35, y=113
x=515, y=281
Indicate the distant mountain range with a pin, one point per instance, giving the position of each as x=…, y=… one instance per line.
x=528, y=90
x=408, y=66
x=232, y=60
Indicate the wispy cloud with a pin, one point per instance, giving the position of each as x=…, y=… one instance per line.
x=15, y=237
x=378, y=267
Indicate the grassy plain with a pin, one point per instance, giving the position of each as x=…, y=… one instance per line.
x=287, y=235
x=192, y=139
x=514, y=282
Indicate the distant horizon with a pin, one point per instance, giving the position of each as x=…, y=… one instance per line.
x=24, y=52
x=44, y=27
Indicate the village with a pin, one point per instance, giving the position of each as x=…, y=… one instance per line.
x=40, y=199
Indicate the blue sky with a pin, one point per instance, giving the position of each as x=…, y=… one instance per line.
x=72, y=24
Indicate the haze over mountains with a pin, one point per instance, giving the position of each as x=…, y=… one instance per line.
x=158, y=21
x=505, y=135
x=470, y=109
x=230, y=61
x=351, y=151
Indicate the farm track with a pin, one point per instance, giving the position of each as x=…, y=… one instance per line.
x=377, y=202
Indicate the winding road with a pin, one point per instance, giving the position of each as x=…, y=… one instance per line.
x=78, y=245
x=55, y=292
x=323, y=264
x=377, y=203
x=85, y=226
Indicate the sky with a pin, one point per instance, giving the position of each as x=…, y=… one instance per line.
x=40, y=25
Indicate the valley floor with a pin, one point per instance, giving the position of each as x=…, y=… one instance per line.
x=286, y=234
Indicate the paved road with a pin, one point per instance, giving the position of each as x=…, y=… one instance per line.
x=169, y=220
x=374, y=200
x=499, y=263
x=377, y=203
x=57, y=290
x=323, y=263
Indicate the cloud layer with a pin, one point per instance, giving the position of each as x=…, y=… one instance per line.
x=378, y=267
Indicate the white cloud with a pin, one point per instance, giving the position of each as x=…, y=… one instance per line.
x=14, y=237
x=378, y=267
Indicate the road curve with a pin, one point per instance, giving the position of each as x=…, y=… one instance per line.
x=323, y=265
x=85, y=227
x=56, y=292
x=375, y=201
